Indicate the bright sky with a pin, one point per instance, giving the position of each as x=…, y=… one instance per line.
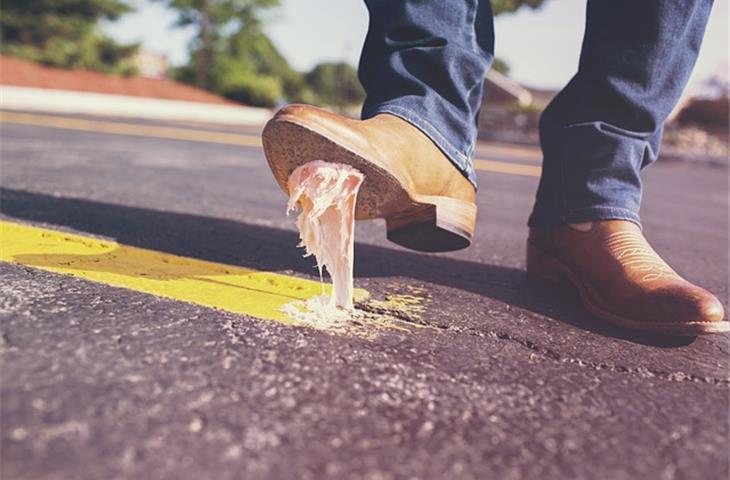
x=541, y=47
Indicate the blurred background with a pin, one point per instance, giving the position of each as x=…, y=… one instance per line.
x=266, y=53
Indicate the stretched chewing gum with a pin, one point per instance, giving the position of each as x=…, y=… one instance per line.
x=327, y=193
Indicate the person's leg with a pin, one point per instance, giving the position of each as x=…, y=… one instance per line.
x=606, y=125
x=425, y=62
x=423, y=68
x=597, y=135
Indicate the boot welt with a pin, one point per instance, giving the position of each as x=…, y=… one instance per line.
x=547, y=268
x=419, y=222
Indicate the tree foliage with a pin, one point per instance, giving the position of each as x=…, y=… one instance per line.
x=64, y=33
x=509, y=6
x=231, y=55
x=245, y=66
x=213, y=19
x=500, y=66
x=336, y=84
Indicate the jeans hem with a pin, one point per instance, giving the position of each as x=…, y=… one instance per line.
x=462, y=161
x=580, y=215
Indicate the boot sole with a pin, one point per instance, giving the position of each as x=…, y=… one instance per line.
x=418, y=222
x=546, y=268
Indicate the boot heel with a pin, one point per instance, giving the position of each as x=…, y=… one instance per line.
x=435, y=224
x=543, y=267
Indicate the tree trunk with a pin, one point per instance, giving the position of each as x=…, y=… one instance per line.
x=203, y=64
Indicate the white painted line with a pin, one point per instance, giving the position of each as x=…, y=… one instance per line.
x=89, y=103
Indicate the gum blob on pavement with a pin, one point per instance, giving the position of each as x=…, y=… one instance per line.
x=326, y=193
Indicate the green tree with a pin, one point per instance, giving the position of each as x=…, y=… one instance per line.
x=500, y=66
x=232, y=56
x=65, y=33
x=241, y=63
x=509, y=6
x=212, y=19
x=336, y=84
x=246, y=66
x=251, y=46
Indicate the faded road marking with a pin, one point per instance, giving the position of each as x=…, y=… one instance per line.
x=507, y=167
x=154, y=131
x=193, y=135
x=227, y=287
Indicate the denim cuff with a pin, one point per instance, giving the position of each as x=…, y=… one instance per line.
x=581, y=215
x=462, y=160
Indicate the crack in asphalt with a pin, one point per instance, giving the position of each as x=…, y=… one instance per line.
x=558, y=357
x=551, y=354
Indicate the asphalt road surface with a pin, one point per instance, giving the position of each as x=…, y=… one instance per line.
x=483, y=374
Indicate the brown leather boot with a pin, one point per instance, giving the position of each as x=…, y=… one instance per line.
x=428, y=205
x=622, y=280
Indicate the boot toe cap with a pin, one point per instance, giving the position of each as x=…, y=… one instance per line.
x=710, y=309
x=688, y=305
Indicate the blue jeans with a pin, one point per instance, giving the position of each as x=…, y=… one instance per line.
x=425, y=61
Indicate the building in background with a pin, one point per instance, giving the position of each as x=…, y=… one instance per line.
x=151, y=65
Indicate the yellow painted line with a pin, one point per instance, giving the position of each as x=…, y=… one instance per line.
x=174, y=133
x=205, y=136
x=506, y=167
x=227, y=287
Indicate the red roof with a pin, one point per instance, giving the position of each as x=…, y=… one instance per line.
x=26, y=74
